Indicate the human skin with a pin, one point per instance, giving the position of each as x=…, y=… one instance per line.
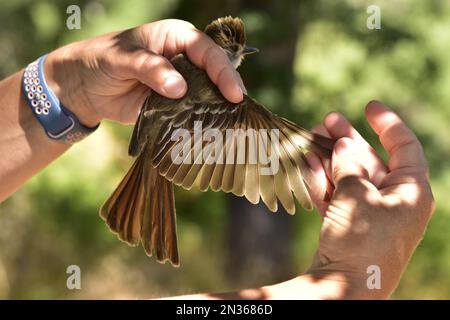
x=107, y=77
x=377, y=213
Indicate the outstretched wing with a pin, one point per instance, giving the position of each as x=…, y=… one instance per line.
x=240, y=148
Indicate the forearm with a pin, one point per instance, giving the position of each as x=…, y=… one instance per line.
x=24, y=147
x=332, y=281
x=304, y=287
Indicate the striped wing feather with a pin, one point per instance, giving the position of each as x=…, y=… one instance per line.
x=243, y=153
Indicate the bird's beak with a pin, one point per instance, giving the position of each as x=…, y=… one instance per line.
x=249, y=50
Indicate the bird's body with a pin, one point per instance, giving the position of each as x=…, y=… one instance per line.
x=142, y=208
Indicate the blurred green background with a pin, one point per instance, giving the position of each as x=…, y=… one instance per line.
x=316, y=56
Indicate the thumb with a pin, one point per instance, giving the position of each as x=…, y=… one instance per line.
x=348, y=173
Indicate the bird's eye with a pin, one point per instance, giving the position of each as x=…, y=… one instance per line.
x=227, y=32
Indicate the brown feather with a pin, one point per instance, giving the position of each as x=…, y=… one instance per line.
x=142, y=207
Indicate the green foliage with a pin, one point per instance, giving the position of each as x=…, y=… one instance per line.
x=340, y=65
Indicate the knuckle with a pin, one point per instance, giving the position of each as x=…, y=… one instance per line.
x=216, y=55
x=179, y=23
x=153, y=68
x=213, y=65
x=210, y=57
x=186, y=24
x=150, y=62
x=153, y=64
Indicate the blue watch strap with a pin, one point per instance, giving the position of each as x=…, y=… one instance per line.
x=58, y=122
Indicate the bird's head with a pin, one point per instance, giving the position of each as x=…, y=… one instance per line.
x=229, y=34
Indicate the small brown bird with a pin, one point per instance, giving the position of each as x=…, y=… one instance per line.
x=246, y=162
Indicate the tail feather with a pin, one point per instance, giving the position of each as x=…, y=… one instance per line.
x=131, y=220
x=116, y=209
x=142, y=209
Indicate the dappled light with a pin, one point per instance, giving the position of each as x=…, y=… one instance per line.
x=315, y=57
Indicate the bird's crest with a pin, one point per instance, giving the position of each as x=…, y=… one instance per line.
x=226, y=31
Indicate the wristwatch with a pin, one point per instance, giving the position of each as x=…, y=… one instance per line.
x=58, y=122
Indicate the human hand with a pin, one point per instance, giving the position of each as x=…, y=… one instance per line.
x=377, y=214
x=109, y=77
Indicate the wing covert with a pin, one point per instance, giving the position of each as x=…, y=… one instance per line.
x=239, y=148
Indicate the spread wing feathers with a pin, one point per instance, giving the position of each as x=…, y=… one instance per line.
x=262, y=157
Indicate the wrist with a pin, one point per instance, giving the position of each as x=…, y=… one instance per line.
x=61, y=69
x=307, y=287
x=368, y=279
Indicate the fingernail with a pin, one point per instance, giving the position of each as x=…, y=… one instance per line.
x=175, y=86
x=241, y=83
x=242, y=92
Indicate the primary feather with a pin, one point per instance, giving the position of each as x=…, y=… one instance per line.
x=142, y=209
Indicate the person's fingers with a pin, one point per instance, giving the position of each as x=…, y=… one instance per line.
x=132, y=104
x=408, y=179
x=350, y=177
x=171, y=37
x=352, y=187
x=400, y=142
x=241, y=83
x=320, y=129
x=206, y=54
x=345, y=161
x=153, y=70
x=326, y=162
x=322, y=187
x=338, y=126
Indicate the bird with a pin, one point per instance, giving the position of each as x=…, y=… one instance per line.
x=142, y=207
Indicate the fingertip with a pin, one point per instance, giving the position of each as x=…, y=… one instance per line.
x=377, y=113
x=380, y=116
x=229, y=86
x=239, y=95
x=338, y=126
x=374, y=106
x=373, y=103
x=332, y=119
x=234, y=95
x=321, y=130
x=240, y=82
x=333, y=115
x=174, y=86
